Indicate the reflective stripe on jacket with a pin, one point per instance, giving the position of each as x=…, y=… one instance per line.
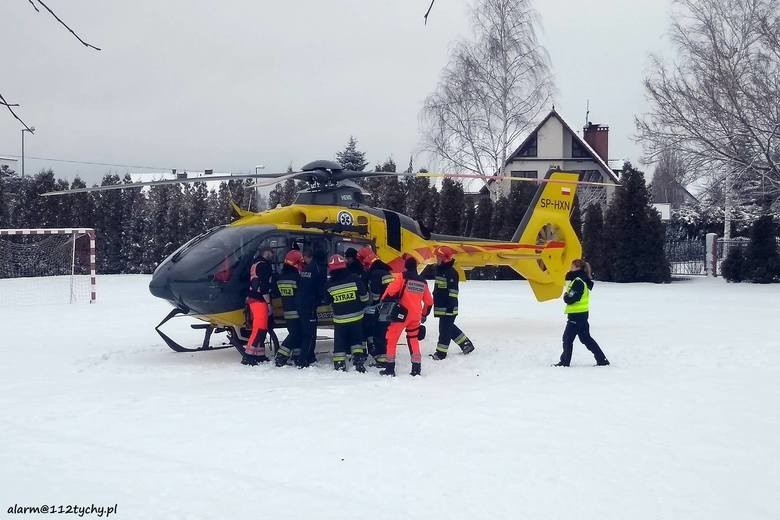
x=347, y=296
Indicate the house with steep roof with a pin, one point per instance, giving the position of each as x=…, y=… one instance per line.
x=554, y=144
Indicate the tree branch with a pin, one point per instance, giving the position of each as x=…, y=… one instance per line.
x=8, y=105
x=63, y=24
x=428, y=12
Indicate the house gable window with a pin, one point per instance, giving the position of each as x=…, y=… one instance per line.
x=529, y=148
x=590, y=176
x=525, y=174
x=577, y=150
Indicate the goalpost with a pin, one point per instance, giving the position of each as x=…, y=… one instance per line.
x=47, y=265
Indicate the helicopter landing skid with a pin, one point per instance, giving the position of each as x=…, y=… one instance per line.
x=179, y=348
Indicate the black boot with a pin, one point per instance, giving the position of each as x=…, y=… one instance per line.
x=439, y=355
x=280, y=360
x=416, y=369
x=603, y=363
x=389, y=369
x=248, y=360
x=341, y=366
x=560, y=364
x=359, y=361
x=467, y=347
x=301, y=361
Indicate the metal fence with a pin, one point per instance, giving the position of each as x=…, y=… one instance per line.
x=686, y=256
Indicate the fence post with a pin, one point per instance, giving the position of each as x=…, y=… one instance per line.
x=711, y=254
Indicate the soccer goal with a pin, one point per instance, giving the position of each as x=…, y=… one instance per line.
x=50, y=265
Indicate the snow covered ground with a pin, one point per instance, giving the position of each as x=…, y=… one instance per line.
x=94, y=408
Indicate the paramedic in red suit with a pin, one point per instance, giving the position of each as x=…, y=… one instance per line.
x=258, y=301
x=416, y=298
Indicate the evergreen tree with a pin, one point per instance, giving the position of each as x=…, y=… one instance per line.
x=593, y=240
x=63, y=206
x=108, y=227
x=157, y=234
x=351, y=158
x=483, y=217
x=40, y=212
x=432, y=202
x=289, y=192
x=634, y=234
x=576, y=217
x=416, y=203
x=761, y=259
x=198, y=209
x=176, y=220
x=275, y=197
x=6, y=174
x=387, y=192
x=134, y=232
x=262, y=202
x=218, y=207
x=520, y=196
x=468, y=217
x=452, y=205
x=498, y=229
x=733, y=267
x=82, y=212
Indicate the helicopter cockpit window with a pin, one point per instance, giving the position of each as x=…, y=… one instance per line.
x=219, y=255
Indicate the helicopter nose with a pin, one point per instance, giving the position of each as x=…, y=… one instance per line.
x=160, y=285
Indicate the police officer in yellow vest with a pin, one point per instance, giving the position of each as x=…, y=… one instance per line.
x=577, y=299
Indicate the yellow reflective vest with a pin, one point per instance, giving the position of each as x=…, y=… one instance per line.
x=583, y=304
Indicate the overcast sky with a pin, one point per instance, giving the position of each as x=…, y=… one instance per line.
x=195, y=84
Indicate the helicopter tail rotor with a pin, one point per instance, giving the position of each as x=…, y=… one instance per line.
x=547, y=223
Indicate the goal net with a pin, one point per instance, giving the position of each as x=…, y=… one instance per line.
x=39, y=266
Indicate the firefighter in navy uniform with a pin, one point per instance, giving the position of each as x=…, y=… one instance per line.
x=312, y=285
x=348, y=297
x=258, y=301
x=288, y=285
x=577, y=300
x=445, y=305
x=353, y=264
x=377, y=278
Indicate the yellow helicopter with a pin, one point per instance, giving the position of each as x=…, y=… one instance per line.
x=207, y=278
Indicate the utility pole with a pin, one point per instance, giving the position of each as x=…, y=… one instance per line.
x=32, y=131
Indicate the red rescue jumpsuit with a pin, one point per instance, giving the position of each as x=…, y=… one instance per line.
x=258, y=301
x=417, y=299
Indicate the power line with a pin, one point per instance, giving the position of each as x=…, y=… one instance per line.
x=96, y=163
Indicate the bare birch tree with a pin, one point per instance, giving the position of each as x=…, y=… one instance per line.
x=717, y=104
x=492, y=90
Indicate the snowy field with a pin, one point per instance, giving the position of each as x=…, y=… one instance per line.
x=685, y=424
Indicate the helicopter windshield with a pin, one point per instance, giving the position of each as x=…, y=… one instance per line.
x=219, y=254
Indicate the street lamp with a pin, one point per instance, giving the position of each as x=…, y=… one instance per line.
x=32, y=131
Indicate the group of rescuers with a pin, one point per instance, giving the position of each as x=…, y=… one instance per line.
x=355, y=286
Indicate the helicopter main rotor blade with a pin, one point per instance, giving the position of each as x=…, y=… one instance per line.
x=350, y=174
x=513, y=179
x=162, y=182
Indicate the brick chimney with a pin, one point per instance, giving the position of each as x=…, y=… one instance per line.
x=597, y=136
